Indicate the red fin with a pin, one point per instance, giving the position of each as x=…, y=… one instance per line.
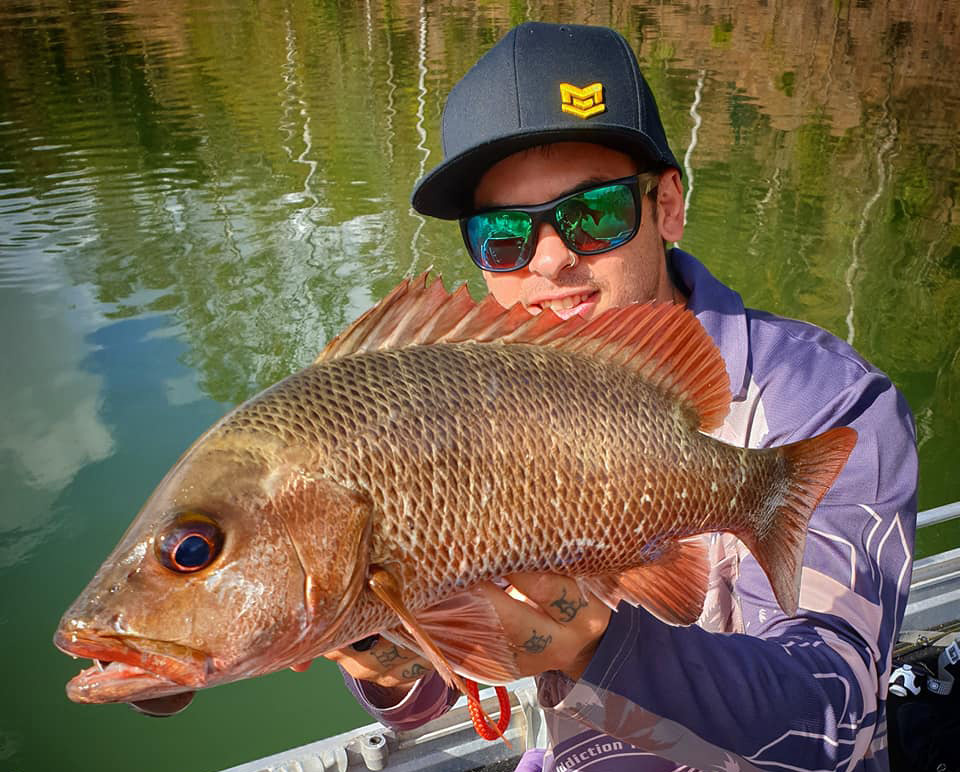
x=407, y=302
x=813, y=465
x=386, y=588
x=468, y=633
x=663, y=342
x=672, y=588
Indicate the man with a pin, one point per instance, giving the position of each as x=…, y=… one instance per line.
x=546, y=140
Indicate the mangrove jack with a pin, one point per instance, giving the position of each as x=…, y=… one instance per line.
x=435, y=444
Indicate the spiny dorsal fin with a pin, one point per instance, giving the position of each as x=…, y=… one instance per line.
x=662, y=342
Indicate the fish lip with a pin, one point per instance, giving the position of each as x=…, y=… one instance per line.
x=137, y=668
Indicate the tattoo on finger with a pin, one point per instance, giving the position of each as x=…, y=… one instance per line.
x=568, y=608
x=389, y=656
x=537, y=643
x=414, y=671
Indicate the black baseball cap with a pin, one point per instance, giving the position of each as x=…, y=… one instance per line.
x=542, y=83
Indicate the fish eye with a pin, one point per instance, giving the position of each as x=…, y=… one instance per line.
x=189, y=543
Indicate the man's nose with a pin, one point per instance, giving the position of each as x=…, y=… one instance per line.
x=551, y=255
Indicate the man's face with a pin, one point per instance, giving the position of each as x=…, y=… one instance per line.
x=634, y=272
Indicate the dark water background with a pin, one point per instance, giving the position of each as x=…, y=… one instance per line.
x=194, y=196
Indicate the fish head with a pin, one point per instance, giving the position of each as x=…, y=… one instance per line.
x=239, y=564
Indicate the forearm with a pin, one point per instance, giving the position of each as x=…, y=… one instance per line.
x=693, y=696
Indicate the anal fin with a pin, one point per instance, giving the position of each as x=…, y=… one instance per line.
x=672, y=588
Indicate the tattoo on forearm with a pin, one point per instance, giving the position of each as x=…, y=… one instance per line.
x=389, y=656
x=568, y=608
x=415, y=671
x=537, y=643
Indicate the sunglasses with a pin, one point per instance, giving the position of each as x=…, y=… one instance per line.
x=594, y=219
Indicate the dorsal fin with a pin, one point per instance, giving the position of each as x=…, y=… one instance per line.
x=663, y=342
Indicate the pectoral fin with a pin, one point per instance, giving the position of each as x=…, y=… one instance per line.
x=467, y=631
x=386, y=587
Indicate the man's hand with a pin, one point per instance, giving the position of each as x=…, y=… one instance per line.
x=548, y=622
x=392, y=667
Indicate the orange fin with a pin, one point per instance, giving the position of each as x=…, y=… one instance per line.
x=662, y=342
x=387, y=589
x=813, y=466
x=405, y=314
x=672, y=588
x=468, y=633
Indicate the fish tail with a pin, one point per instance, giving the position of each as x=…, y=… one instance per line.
x=812, y=467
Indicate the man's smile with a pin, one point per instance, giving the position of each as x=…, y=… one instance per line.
x=566, y=305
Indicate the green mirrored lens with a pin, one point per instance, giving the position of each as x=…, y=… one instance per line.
x=598, y=219
x=499, y=240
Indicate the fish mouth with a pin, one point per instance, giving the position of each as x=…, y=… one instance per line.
x=130, y=669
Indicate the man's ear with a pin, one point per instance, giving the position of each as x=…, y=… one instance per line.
x=670, y=213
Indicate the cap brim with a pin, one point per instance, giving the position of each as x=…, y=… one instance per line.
x=447, y=190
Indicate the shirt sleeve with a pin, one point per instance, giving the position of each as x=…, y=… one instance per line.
x=428, y=699
x=789, y=693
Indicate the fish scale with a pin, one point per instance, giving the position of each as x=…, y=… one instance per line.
x=393, y=456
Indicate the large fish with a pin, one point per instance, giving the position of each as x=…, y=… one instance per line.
x=435, y=444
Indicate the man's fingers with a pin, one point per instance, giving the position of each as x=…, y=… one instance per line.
x=383, y=662
x=548, y=622
x=558, y=596
x=531, y=632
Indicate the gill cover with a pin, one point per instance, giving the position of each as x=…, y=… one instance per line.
x=329, y=528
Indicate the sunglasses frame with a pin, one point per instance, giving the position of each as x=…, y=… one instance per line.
x=547, y=213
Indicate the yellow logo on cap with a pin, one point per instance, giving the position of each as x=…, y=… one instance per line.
x=582, y=102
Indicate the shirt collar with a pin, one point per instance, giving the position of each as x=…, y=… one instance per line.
x=721, y=312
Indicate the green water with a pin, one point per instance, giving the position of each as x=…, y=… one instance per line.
x=194, y=196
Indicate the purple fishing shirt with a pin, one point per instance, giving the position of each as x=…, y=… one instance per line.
x=748, y=688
